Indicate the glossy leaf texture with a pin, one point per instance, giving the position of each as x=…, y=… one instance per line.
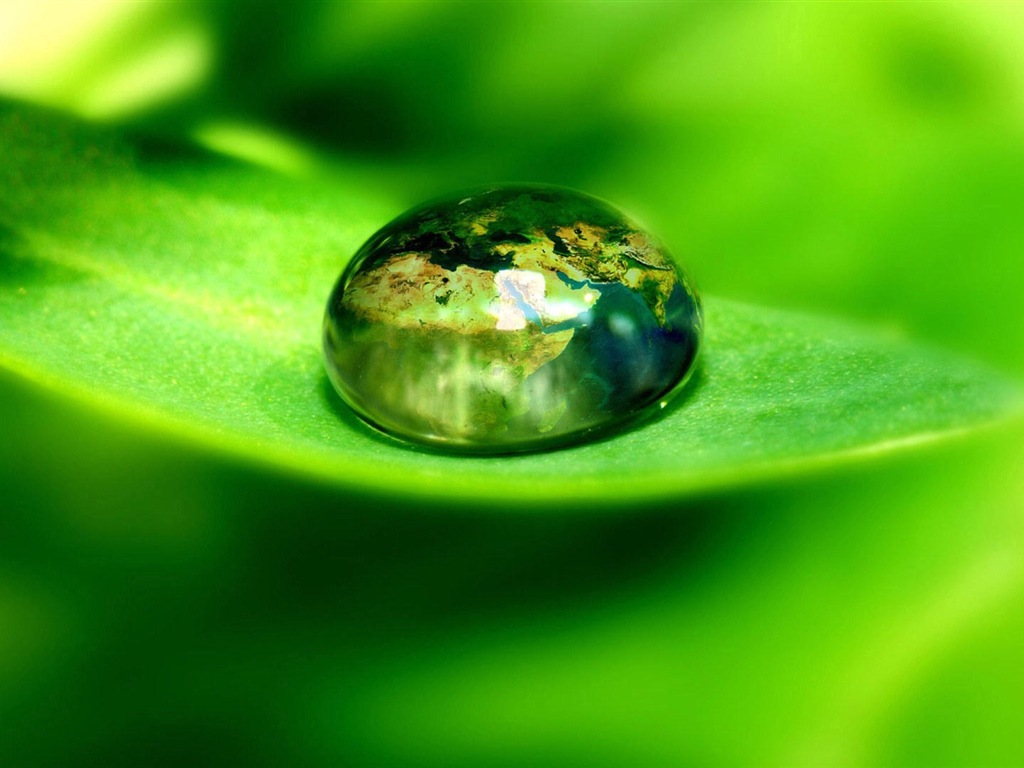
x=177, y=287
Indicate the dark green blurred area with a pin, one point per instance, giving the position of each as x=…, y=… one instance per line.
x=160, y=604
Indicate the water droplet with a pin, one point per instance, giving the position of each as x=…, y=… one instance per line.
x=518, y=318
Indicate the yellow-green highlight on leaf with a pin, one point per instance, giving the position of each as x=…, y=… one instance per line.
x=186, y=290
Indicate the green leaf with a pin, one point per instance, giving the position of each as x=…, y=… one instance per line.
x=186, y=291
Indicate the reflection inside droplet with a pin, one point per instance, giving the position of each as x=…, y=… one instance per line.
x=512, y=319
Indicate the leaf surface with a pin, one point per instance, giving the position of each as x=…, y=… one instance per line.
x=185, y=290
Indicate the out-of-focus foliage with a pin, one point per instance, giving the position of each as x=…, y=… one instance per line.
x=161, y=604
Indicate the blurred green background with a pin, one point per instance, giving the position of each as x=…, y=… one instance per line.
x=162, y=604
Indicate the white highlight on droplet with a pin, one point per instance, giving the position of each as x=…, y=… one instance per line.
x=518, y=287
x=521, y=290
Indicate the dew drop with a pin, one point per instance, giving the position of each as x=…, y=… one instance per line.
x=517, y=318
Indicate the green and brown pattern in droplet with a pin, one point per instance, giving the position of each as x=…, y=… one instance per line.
x=509, y=318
